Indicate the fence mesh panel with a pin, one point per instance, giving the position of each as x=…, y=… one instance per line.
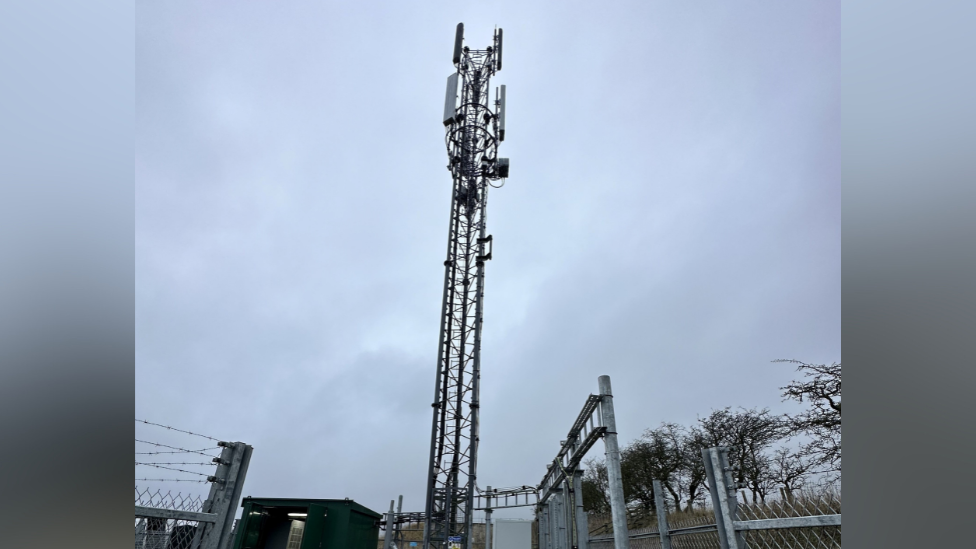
x=820, y=537
x=689, y=519
x=698, y=540
x=807, y=504
x=645, y=543
x=157, y=498
x=157, y=533
x=803, y=505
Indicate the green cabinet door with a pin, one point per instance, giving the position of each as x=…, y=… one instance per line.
x=251, y=537
x=314, y=527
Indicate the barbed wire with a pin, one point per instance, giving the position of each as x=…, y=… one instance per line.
x=174, y=469
x=170, y=480
x=181, y=450
x=164, y=452
x=175, y=462
x=177, y=430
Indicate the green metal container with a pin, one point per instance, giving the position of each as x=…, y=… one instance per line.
x=287, y=523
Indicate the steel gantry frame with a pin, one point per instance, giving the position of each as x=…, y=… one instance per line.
x=558, y=498
x=562, y=521
x=474, y=132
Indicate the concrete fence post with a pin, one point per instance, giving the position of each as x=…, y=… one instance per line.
x=618, y=506
x=225, y=494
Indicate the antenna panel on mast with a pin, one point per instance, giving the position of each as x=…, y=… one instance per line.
x=458, y=39
x=498, y=50
x=501, y=115
x=450, y=99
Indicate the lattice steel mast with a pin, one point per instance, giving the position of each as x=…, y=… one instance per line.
x=473, y=135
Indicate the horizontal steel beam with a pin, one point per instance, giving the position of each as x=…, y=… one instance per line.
x=493, y=507
x=581, y=437
x=173, y=514
x=521, y=496
x=555, y=475
x=693, y=529
x=789, y=522
x=675, y=532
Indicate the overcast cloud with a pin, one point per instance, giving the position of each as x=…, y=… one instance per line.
x=672, y=219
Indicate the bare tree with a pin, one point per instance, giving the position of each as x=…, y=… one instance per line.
x=695, y=440
x=596, y=484
x=821, y=389
x=789, y=469
x=748, y=434
x=656, y=455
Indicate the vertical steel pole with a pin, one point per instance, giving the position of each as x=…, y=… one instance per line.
x=582, y=524
x=662, y=515
x=559, y=502
x=554, y=522
x=544, y=541
x=397, y=528
x=569, y=512
x=388, y=534
x=488, y=519
x=618, y=506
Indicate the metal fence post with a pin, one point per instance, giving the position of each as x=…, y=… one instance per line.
x=723, y=496
x=388, y=533
x=618, y=506
x=582, y=522
x=225, y=494
x=397, y=532
x=662, y=515
x=488, y=519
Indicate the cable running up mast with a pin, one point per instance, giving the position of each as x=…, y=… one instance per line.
x=474, y=132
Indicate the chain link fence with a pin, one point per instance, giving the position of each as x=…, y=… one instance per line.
x=162, y=533
x=168, y=518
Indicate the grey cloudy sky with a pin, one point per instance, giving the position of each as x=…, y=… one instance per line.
x=672, y=220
